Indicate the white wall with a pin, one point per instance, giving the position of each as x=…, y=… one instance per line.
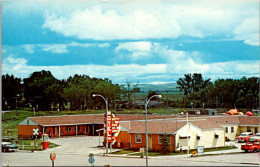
x=207, y=138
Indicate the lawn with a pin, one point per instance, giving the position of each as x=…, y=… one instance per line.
x=27, y=145
x=153, y=153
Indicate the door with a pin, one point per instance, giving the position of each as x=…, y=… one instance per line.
x=256, y=130
x=150, y=142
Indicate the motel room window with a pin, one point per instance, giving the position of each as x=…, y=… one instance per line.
x=216, y=136
x=198, y=137
x=68, y=129
x=226, y=128
x=232, y=129
x=248, y=129
x=138, y=138
x=78, y=128
x=43, y=130
x=161, y=137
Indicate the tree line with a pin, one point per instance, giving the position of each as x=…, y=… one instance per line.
x=224, y=93
x=42, y=91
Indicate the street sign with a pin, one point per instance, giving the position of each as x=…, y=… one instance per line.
x=91, y=160
x=200, y=150
x=35, y=132
x=52, y=156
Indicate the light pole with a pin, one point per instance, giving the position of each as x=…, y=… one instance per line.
x=106, y=100
x=146, y=132
x=191, y=105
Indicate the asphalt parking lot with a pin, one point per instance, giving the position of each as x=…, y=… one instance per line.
x=74, y=151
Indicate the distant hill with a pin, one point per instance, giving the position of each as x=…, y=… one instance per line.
x=170, y=87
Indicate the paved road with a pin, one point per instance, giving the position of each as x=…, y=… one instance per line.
x=82, y=146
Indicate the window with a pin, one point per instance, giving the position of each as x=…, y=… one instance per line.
x=68, y=129
x=43, y=130
x=232, y=129
x=161, y=137
x=248, y=129
x=216, y=136
x=198, y=137
x=138, y=138
x=78, y=128
x=226, y=129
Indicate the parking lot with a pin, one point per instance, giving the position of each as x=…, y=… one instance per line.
x=74, y=151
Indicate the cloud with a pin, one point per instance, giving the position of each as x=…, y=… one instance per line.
x=117, y=73
x=29, y=48
x=157, y=20
x=248, y=31
x=138, y=50
x=56, y=48
x=61, y=48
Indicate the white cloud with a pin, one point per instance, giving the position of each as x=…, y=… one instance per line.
x=29, y=48
x=117, y=73
x=139, y=49
x=55, y=48
x=156, y=19
x=61, y=48
x=248, y=31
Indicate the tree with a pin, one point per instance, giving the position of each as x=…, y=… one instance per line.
x=39, y=89
x=11, y=87
x=192, y=86
x=165, y=144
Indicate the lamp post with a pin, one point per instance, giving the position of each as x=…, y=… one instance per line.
x=191, y=105
x=146, y=132
x=106, y=100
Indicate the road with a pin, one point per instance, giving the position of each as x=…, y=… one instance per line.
x=74, y=151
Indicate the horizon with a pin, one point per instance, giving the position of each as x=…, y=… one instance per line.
x=150, y=42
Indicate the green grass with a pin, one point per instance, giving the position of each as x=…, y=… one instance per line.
x=27, y=145
x=156, y=153
x=123, y=152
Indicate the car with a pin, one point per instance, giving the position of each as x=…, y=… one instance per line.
x=8, y=146
x=254, y=146
x=244, y=137
x=257, y=136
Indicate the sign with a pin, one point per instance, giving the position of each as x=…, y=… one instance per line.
x=112, y=127
x=35, y=132
x=52, y=156
x=91, y=158
x=200, y=150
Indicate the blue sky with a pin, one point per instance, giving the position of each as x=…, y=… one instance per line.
x=147, y=41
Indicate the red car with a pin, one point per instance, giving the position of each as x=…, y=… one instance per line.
x=244, y=137
x=251, y=147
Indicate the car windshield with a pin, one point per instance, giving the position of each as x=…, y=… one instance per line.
x=258, y=134
x=243, y=134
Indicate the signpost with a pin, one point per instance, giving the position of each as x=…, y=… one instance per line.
x=200, y=150
x=111, y=128
x=36, y=133
x=91, y=159
x=52, y=157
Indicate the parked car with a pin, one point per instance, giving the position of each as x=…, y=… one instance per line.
x=244, y=137
x=257, y=136
x=8, y=146
x=254, y=146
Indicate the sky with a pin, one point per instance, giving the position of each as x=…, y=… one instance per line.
x=146, y=41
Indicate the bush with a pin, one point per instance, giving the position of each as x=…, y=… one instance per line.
x=165, y=146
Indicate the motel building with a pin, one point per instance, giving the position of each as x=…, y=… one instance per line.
x=207, y=131
x=196, y=132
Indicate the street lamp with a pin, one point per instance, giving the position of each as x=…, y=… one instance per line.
x=191, y=105
x=146, y=132
x=106, y=100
